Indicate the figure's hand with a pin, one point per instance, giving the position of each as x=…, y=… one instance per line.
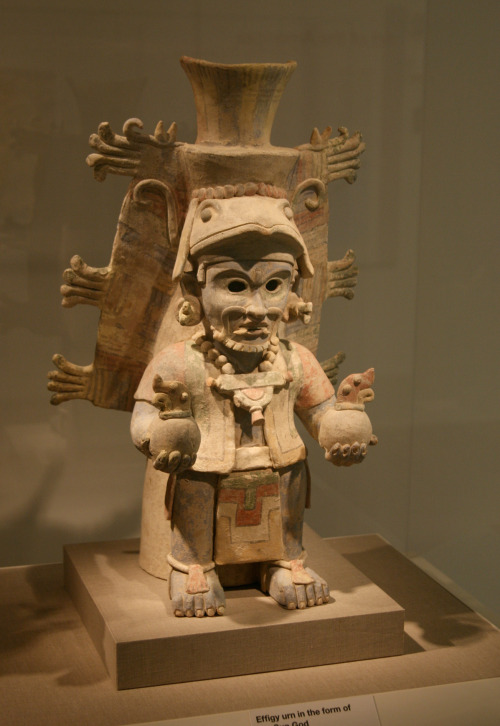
x=70, y=381
x=349, y=454
x=173, y=462
x=173, y=443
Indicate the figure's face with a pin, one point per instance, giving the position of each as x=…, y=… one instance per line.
x=245, y=300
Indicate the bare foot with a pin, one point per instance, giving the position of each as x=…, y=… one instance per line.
x=199, y=604
x=279, y=584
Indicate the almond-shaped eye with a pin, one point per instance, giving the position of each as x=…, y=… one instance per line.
x=236, y=286
x=274, y=284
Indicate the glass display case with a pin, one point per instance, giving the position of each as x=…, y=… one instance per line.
x=416, y=78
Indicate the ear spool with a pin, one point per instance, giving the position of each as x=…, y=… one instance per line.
x=189, y=311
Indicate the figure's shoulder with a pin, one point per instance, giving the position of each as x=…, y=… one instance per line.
x=316, y=386
x=293, y=345
x=170, y=354
x=300, y=351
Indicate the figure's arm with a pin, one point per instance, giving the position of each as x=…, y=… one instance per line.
x=312, y=417
x=318, y=421
x=169, y=436
x=340, y=425
x=337, y=158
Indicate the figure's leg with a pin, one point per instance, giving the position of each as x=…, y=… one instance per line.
x=288, y=581
x=194, y=586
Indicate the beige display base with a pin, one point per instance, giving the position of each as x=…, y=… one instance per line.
x=128, y=616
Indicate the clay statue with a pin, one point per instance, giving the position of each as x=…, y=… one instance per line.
x=219, y=260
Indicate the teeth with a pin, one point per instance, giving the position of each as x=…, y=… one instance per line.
x=252, y=329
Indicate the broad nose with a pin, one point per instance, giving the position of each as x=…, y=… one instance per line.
x=256, y=312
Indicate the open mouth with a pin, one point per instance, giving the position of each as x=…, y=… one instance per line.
x=252, y=331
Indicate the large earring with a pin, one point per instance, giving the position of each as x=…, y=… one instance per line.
x=189, y=310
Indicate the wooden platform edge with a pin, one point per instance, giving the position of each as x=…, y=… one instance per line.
x=135, y=659
x=90, y=615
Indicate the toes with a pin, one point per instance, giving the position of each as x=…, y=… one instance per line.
x=318, y=593
x=209, y=604
x=321, y=591
x=215, y=599
x=289, y=597
x=176, y=597
x=199, y=606
x=300, y=591
x=293, y=596
x=189, y=605
x=310, y=595
x=177, y=602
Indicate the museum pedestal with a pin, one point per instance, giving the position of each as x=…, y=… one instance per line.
x=129, y=617
x=52, y=675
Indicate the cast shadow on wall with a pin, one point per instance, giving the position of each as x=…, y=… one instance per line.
x=24, y=533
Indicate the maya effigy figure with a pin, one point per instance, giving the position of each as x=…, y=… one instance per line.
x=220, y=257
x=241, y=479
